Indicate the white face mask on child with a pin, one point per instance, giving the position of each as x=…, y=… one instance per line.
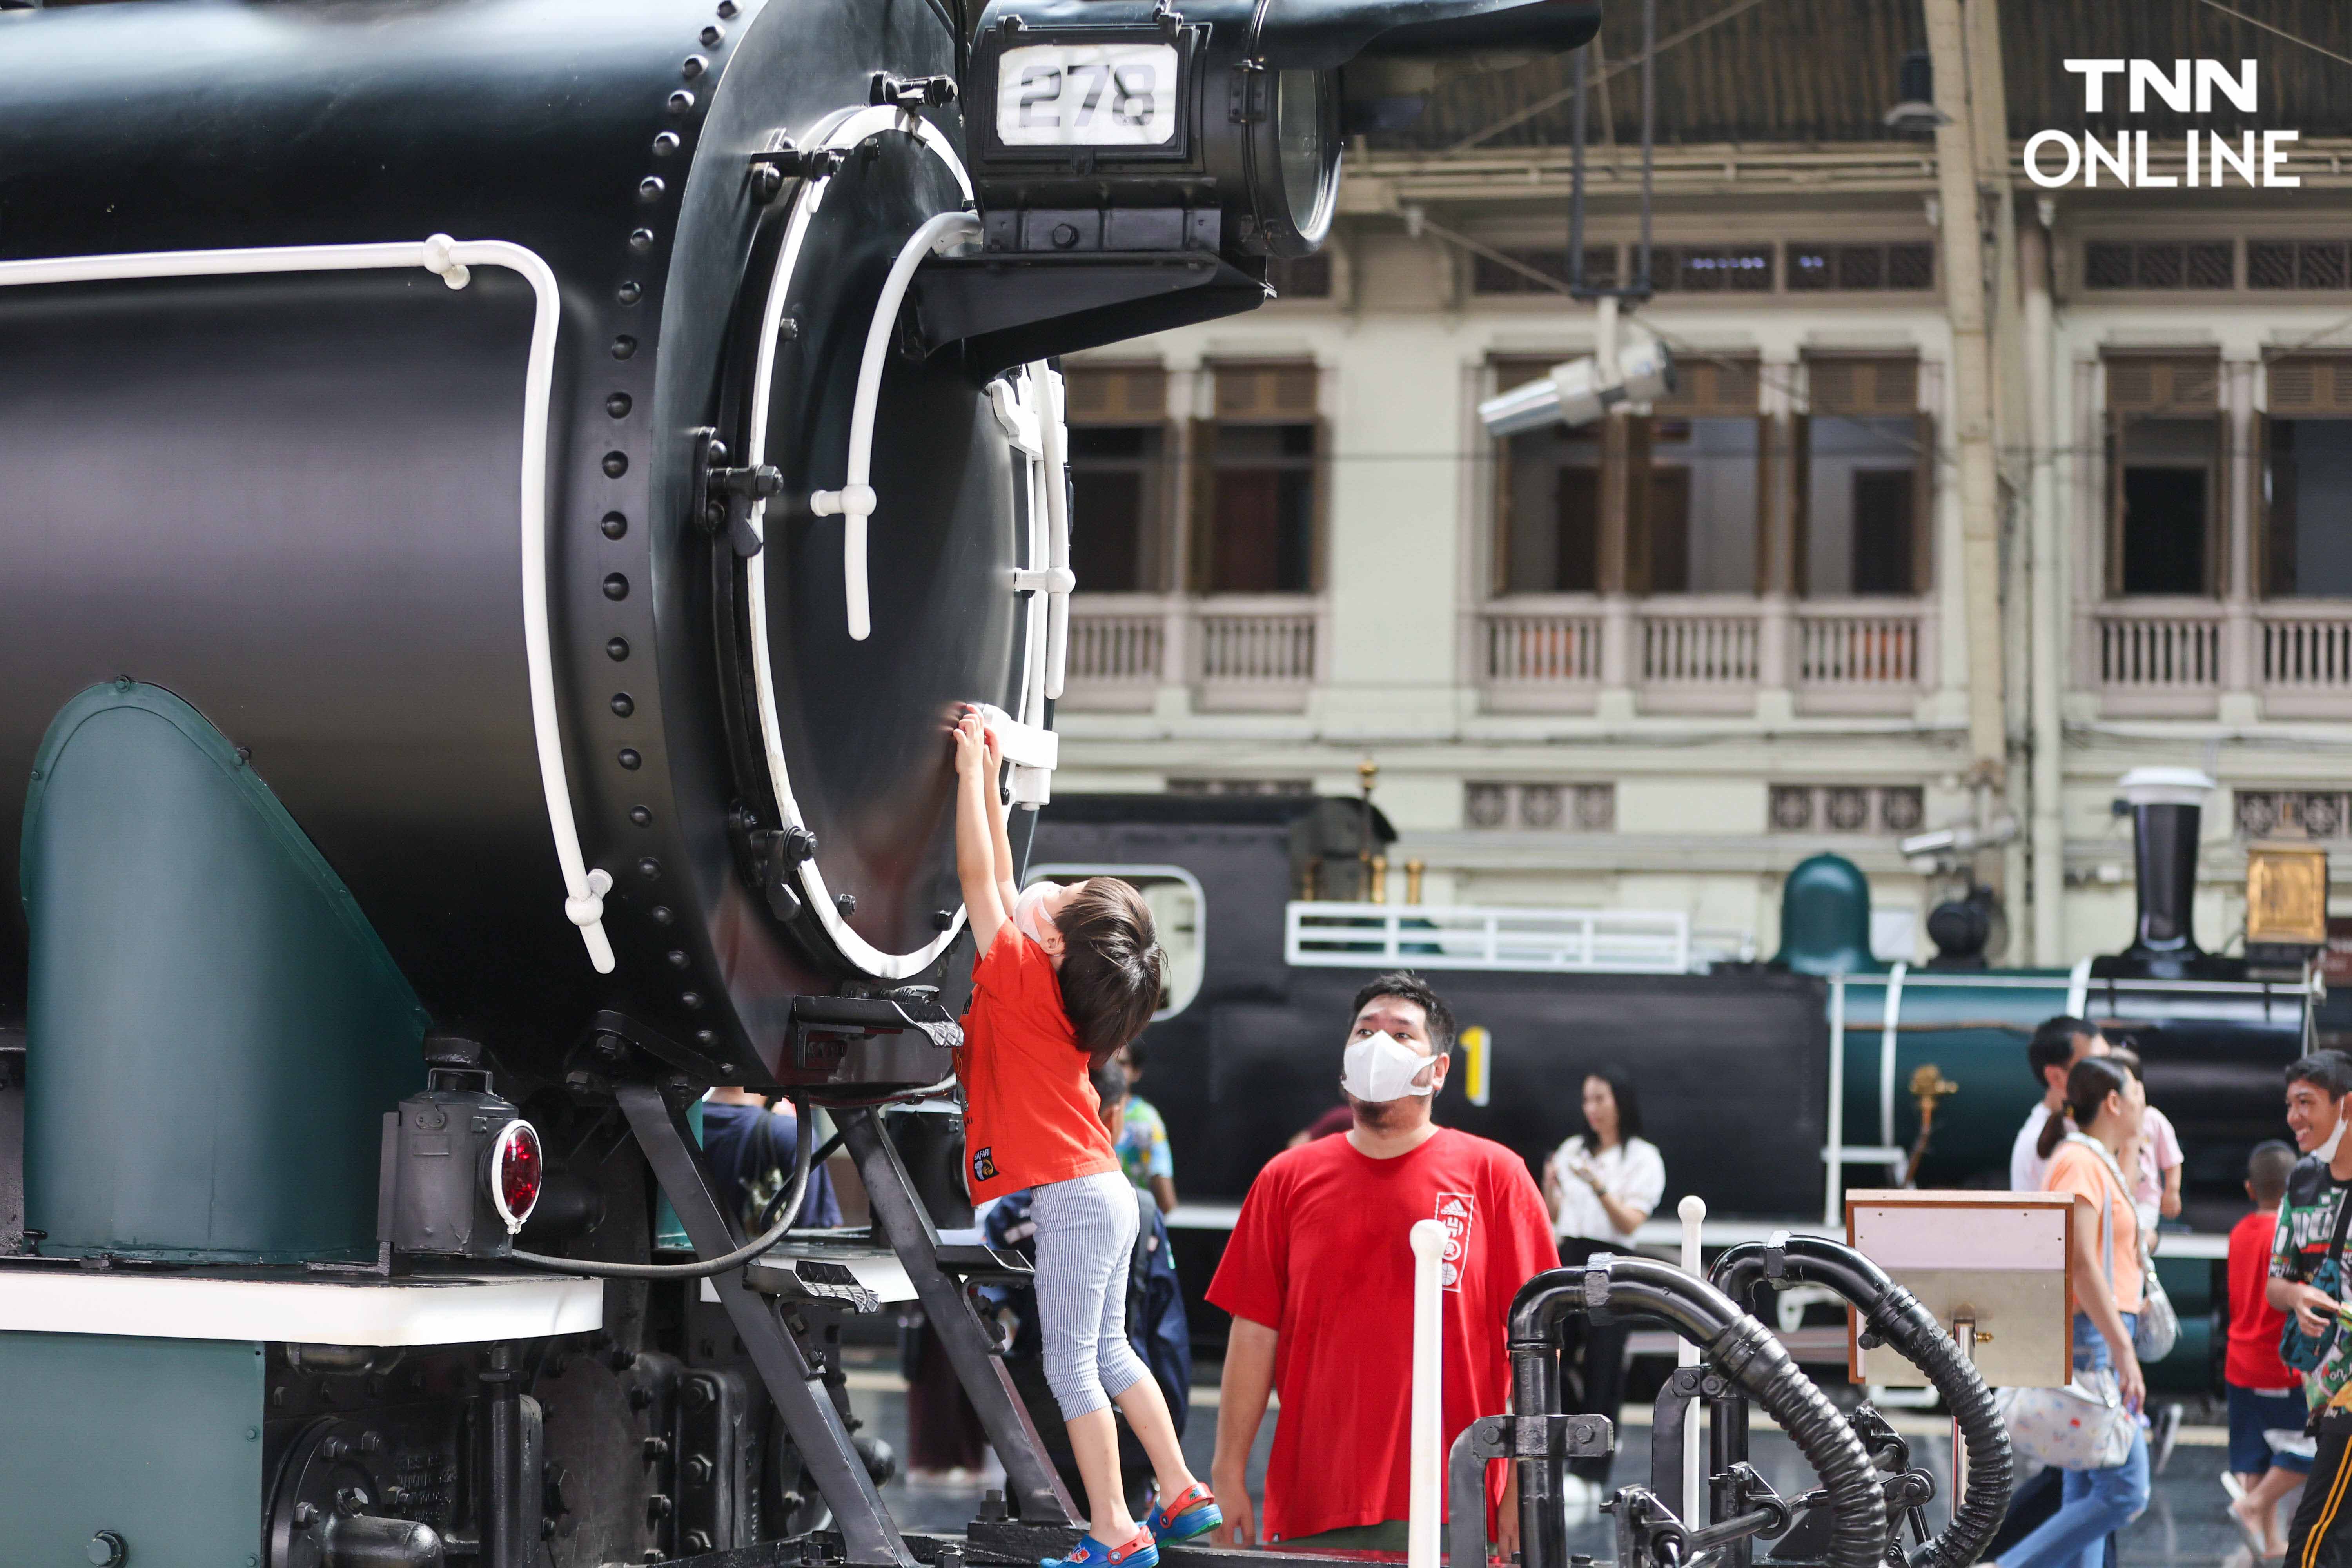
x=1029, y=915
x=1382, y=1068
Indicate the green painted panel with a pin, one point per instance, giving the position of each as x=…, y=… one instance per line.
x=216, y=1031
x=157, y=1440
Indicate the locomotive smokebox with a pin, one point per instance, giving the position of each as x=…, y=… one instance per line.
x=431, y=398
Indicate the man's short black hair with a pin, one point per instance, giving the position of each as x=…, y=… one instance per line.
x=2330, y=1072
x=1407, y=986
x=1134, y=1053
x=1111, y=1083
x=2266, y=1170
x=2053, y=1045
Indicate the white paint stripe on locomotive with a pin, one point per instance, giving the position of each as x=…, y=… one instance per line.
x=844, y=132
x=335, y=1311
x=583, y=902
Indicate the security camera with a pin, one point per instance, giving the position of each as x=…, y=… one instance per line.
x=1960, y=839
x=1578, y=393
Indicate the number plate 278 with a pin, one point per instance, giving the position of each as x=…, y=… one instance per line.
x=1086, y=95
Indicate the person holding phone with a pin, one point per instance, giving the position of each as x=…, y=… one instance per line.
x=1600, y=1185
x=2106, y=1107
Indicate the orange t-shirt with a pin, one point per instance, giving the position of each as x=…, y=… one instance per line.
x=2079, y=1171
x=1030, y=1115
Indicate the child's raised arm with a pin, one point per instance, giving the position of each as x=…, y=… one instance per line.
x=984, y=854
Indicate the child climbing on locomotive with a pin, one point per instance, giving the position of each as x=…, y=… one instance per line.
x=1065, y=976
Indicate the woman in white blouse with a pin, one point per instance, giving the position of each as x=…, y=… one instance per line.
x=1600, y=1185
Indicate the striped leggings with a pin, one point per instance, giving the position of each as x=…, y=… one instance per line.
x=1085, y=1236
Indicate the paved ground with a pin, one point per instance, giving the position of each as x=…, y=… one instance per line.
x=2183, y=1526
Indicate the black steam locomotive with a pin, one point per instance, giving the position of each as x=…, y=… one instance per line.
x=501, y=500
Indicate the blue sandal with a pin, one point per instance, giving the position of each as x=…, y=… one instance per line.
x=1143, y=1552
x=1190, y=1513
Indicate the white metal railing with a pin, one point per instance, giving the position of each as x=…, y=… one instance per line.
x=1549, y=649
x=1257, y=647
x=1332, y=934
x=1878, y=650
x=1701, y=649
x=1118, y=649
x=2160, y=650
x=2306, y=650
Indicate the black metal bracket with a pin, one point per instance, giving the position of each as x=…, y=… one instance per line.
x=1552, y=1438
x=819, y=1030
x=869, y=1536
x=908, y=94
x=770, y=858
x=781, y=159
x=722, y=496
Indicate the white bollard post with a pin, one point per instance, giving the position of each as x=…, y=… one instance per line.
x=1693, y=1212
x=1427, y=1498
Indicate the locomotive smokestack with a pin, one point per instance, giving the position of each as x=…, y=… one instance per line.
x=2166, y=804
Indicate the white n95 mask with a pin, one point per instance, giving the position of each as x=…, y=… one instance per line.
x=1381, y=1068
x=1029, y=915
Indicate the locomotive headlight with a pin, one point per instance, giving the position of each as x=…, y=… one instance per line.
x=1134, y=126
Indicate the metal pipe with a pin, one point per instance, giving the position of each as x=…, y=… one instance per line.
x=500, y=1523
x=1896, y=1315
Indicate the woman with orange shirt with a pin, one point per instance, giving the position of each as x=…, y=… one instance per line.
x=2108, y=1105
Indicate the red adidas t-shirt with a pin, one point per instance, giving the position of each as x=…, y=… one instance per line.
x=1320, y=1254
x=1030, y=1115
x=2255, y=1324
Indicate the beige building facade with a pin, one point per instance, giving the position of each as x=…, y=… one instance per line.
x=1654, y=662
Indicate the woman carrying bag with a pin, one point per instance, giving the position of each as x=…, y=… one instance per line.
x=2106, y=1103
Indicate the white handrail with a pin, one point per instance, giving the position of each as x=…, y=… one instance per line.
x=1425, y=1493
x=1057, y=441
x=450, y=260
x=854, y=501
x=1453, y=936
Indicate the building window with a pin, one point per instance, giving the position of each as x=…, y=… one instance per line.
x=2295, y=264
x=1852, y=267
x=1241, y=787
x=1301, y=277
x=1119, y=481
x=1864, y=457
x=1846, y=808
x=2160, y=263
x=1491, y=806
x=1491, y=276
x=1693, y=527
x=1547, y=501
x=2164, y=446
x=1711, y=269
x=2306, y=551
x=1257, y=482
x=2313, y=814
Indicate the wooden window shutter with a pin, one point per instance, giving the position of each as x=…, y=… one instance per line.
x=1201, y=523
x=1319, y=550
x=2150, y=384
x=1801, y=502
x=1764, y=430
x=1864, y=388
x=1710, y=389
x=1116, y=394
x=1275, y=394
x=1518, y=371
x=2311, y=386
x=1633, y=486
x=1500, y=562
x=1923, y=501
x=1830, y=385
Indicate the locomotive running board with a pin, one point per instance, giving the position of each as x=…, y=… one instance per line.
x=869, y=1536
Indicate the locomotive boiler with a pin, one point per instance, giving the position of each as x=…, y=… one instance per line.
x=501, y=502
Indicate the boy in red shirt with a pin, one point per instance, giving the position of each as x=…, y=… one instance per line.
x=1067, y=976
x=2264, y=1395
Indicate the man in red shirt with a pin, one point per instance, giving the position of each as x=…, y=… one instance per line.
x=1319, y=1279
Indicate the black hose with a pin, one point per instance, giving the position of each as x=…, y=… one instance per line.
x=1736, y=1345
x=786, y=1208
x=1898, y=1318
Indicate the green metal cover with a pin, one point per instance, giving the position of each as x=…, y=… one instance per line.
x=214, y=1029
x=1825, y=919
x=157, y=1440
